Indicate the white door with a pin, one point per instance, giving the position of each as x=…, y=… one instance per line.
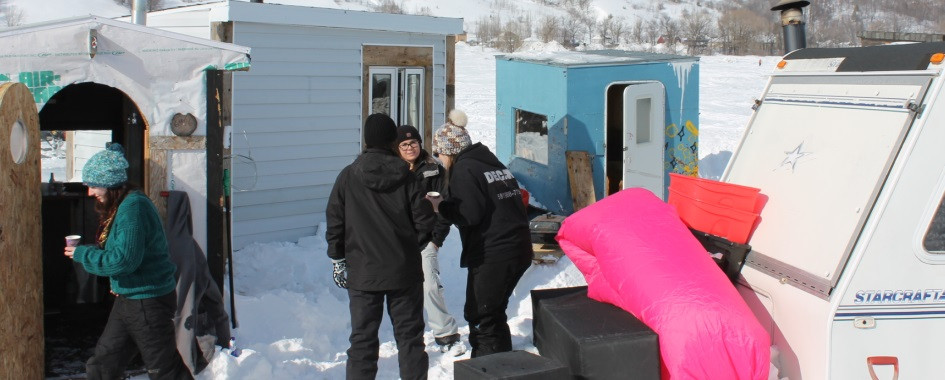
x=643, y=118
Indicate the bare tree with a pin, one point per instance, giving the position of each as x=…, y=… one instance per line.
x=12, y=15
x=669, y=29
x=548, y=28
x=488, y=29
x=737, y=28
x=636, y=32
x=571, y=28
x=390, y=6
x=510, y=38
x=695, y=30
x=610, y=30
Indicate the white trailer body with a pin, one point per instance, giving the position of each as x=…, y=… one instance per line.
x=847, y=268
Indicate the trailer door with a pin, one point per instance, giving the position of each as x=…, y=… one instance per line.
x=820, y=148
x=643, y=115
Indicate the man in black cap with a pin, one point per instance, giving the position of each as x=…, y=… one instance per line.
x=373, y=215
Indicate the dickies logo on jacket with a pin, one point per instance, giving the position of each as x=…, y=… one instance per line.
x=498, y=175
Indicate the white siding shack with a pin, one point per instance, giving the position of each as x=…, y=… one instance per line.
x=298, y=112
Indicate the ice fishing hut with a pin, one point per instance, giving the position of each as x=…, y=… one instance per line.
x=617, y=118
x=94, y=80
x=317, y=73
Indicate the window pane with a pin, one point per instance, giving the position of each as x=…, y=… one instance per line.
x=934, y=241
x=413, y=101
x=531, y=136
x=380, y=93
x=643, y=120
x=64, y=153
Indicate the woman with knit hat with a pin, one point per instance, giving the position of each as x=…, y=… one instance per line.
x=131, y=250
x=431, y=176
x=485, y=203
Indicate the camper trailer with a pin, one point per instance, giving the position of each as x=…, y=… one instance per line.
x=847, y=263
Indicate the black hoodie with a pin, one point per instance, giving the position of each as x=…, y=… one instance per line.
x=431, y=177
x=484, y=202
x=371, y=216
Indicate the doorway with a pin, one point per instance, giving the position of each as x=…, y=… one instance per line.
x=635, y=146
x=396, y=83
x=76, y=123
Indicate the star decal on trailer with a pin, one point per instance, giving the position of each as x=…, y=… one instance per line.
x=793, y=156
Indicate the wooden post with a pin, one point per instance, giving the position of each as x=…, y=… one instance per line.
x=581, y=178
x=217, y=117
x=450, y=77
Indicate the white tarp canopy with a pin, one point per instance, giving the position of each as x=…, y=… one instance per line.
x=161, y=71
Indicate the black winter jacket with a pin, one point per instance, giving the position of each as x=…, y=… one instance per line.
x=484, y=202
x=372, y=217
x=431, y=177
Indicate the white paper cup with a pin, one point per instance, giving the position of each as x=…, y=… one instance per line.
x=73, y=240
x=433, y=194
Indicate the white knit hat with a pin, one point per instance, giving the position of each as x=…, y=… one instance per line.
x=458, y=118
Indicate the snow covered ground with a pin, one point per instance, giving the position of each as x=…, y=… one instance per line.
x=294, y=321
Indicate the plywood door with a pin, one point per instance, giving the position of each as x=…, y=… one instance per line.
x=21, y=265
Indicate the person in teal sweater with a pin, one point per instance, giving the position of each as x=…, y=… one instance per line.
x=131, y=250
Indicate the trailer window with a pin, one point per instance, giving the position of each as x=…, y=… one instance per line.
x=934, y=241
x=531, y=136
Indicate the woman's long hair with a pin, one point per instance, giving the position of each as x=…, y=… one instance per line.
x=106, y=210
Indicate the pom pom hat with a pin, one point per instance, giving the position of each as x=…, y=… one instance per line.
x=450, y=140
x=458, y=118
x=107, y=168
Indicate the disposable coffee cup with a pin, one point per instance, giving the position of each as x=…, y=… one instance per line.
x=433, y=194
x=73, y=240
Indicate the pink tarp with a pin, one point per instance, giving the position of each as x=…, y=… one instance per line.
x=635, y=253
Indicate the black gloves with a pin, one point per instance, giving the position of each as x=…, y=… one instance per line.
x=339, y=273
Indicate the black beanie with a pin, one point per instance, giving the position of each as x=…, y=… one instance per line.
x=379, y=131
x=407, y=132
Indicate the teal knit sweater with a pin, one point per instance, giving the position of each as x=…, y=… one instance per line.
x=135, y=257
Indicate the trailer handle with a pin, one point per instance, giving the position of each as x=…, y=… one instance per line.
x=883, y=360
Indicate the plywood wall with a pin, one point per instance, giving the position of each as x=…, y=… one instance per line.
x=21, y=263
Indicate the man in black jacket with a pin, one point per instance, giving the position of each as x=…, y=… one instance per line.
x=373, y=216
x=431, y=176
x=485, y=203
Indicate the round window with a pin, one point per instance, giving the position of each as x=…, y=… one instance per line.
x=18, y=142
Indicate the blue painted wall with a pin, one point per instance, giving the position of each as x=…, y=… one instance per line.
x=574, y=100
x=538, y=89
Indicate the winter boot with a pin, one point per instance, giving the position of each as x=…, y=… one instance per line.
x=451, y=344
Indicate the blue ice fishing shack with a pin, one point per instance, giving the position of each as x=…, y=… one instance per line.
x=636, y=114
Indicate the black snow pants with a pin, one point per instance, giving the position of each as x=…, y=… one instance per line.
x=488, y=288
x=144, y=326
x=405, y=308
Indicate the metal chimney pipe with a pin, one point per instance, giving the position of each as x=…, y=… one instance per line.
x=792, y=23
x=139, y=12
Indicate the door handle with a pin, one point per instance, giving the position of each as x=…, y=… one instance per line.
x=883, y=360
